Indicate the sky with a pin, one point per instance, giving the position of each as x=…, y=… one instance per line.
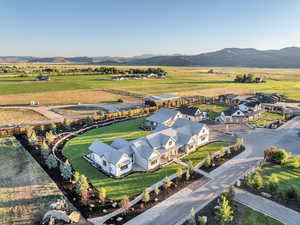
x=134, y=27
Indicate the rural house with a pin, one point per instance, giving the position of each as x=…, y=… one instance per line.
x=149, y=152
x=245, y=111
x=192, y=113
x=268, y=98
x=161, y=100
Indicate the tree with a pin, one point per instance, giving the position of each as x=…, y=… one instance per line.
x=50, y=137
x=202, y=220
x=273, y=183
x=102, y=194
x=45, y=150
x=269, y=153
x=224, y=213
x=257, y=181
x=66, y=170
x=281, y=156
x=125, y=204
x=192, y=218
x=89, y=121
x=167, y=182
x=53, y=127
x=31, y=136
x=146, y=197
x=179, y=172
x=76, y=176
x=82, y=186
x=238, y=143
x=67, y=124
x=187, y=174
x=208, y=161
x=229, y=195
x=157, y=190
x=51, y=162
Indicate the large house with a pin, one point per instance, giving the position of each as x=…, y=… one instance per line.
x=163, y=116
x=148, y=153
x=244, y=112
x=192, y=113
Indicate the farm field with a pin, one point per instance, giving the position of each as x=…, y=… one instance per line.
x=74, y=112
x=18, y=116
x=181, y=80
x=25, y=189
x=130, y=185
x=288, y=176
x=202, y=152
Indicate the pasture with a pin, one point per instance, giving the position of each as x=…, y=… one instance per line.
x=181, y=80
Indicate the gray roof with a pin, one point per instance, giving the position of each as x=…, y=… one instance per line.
x=120, y=143
x=162, y=115
x=187, y=126
x=163, y=97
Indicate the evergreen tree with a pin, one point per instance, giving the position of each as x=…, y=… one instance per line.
x=224, y=213
x=82, y=187
x=51, y=161
x=45, y=150
x=31, y=136
x=50, y=137
x=53, y=127
x=146, y=197
x=66, y=170
x=167, y=182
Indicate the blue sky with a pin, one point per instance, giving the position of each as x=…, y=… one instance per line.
x=134, y=27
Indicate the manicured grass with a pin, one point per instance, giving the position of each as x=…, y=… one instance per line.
x=26, y=191
x=130, y=185
x=213, y=110
x=202, y=152
x=252, y=217
x=288, y=176
x=266, y=119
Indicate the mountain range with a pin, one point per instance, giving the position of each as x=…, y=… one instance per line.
x=235, y=57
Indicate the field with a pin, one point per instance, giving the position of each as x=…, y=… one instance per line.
x=202, y=152
x=288, y=177
x=132, y=184
x=76, y=112
x=25, y=189
x=17, y=116
x=181, y=80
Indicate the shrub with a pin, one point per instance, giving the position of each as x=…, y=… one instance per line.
x=167, y=182
x=157, y=190
x=224, y=213
x=65, y=170
x=89, y=121
x=192, y=218
x=257, y=181
x=238, y=143
x=187, y=174
x=82, y=186
x=67, y=124
x=281, y=156
x=269, y=153
x=291, y=193
x=202, y=220
x=273, y=183
x=31, y=136
x=125, y=204
x=50, y=137
x=146, y=197
x=51, y=162
x=45, y=150
x=102, y=194
x=229, y=195
x=280, y=195
x=179, y=172
x=53, y=127
x=76, y=176
x=208, y=161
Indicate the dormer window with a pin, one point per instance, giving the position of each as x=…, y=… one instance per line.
x=170, y=142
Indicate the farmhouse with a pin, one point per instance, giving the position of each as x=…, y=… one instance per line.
x=229, y=98
x=164, y=117
x=192, y=113
x=151, y=152
x=245, y=111
x=268, y=98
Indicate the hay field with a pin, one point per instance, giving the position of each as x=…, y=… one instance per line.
x=19, y=116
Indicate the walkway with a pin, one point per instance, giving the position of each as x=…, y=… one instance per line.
x=195, y=169
x=268, y=207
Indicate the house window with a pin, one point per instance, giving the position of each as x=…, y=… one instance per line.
x=153, y=162
x=203, y=138
x=124, y=167
x=170, y=142
x=191, y=147
x=104, y=163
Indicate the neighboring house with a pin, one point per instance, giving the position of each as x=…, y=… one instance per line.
x=42, y=78
x=229, y=98
x=149, y=152
x=268, y=98
x=192, y=113
x=244, y=112
x=161, y=100
x=163, y=116
x=259, y=80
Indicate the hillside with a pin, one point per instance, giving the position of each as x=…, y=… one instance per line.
x=235, y=57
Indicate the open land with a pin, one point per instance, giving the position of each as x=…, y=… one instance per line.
x=181, y=80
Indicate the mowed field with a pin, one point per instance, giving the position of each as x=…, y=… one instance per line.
x=181, y=80
x=25, y=189
x=19, y=116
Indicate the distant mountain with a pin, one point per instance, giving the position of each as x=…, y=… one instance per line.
x=236, y=57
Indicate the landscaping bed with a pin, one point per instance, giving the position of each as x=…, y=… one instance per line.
x=177, y=185
x=287, y=192
x=269, y=120
x=242, y=214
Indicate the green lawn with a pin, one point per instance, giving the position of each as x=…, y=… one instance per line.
x=130, y=185
x=213, y=110
x=252, y=217
x=202, y=152
x=266, y=119
x=288, y=176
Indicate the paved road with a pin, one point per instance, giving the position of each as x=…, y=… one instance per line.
x=268, y=207
x=175, y=209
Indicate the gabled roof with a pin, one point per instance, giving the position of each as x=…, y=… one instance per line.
x=229, y=96
x=187, y=126
x=189, y=110
x=162, y=115
x=120, y=143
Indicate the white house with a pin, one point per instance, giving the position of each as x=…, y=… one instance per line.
x=192, y=113
x=149, y=152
